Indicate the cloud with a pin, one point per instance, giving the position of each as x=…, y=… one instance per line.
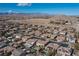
x=24, y=4
x=12, y=11
x=9, y=11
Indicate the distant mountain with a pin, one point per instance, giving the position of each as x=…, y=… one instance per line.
x=6, y=13
x=31, y=14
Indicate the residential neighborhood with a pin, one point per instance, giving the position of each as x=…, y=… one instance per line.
x=28, y=39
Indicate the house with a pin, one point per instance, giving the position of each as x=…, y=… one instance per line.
x=29, y=43
x=71, y=39
x=15, y=45
x=18, y=36
x=1, y=39
x=48, y=30
x=55, y=32
x=41, y=43
x=63, y=51
x=53, y=36
x=1, y=52
x=71, y=34
x=63, y=32
x=18, y=52
x=2, y=44
x=43, y=36
x=52, y=45
x=37, y=33
x=48, y=35
x=25, y=38
x=60, y=38
x=10, y=39
x=30, y=33
x=19, y=42
x=78, y=40
x=71, y=29
x=76, y=53
x=8, y=50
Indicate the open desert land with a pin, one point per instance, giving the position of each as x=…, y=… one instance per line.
x=66, y=21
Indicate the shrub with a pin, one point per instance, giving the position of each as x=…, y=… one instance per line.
x=76, y=46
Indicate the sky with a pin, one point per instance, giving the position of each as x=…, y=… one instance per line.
x=48, y=8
